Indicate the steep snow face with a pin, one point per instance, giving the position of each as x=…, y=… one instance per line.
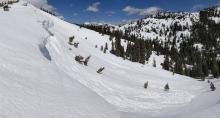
x=40, y=78
x=33, y=86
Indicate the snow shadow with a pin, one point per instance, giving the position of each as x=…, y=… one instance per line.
x=218, y=102
x=47, y=25
x=44, y=50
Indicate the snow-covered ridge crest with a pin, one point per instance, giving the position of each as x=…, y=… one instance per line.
x=158, y=26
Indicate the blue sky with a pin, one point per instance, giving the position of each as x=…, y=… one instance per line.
x=117, y=11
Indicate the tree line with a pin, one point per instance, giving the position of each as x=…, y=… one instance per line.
x=186, y=59
x=8, y=2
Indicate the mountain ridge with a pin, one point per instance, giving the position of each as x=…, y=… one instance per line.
x=177, y=36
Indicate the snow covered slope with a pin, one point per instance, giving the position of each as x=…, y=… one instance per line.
x=40, y=78
x=164, y=27
x=32, y=86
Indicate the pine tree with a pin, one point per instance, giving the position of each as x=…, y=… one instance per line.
x=118, y=47
x=128, y=51
x=212, y=87
x=100, y=70
x=215, y=69
x=87, y=60
x=101, y=48
x=205, y=69
x=111, y=38
x=76, y=45
x=146, y=85
x=166, y=64
x=178, y=67
x=137, y=51
x=122, y=54
x=79, y=59
x=105, y=50
x=154, y=63
x=166, y=87
x=142, y=52
x=208, y=81
x=106, y=46
x=113, y=48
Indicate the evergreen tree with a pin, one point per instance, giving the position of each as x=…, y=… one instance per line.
x=166, y=64
x=128, y=51
x=181, y=55
x=101, y=48
x=154, y=63
x=111, y=38
x=205, y=69
x=105, y=50
x=146, y=85
x=100, y=70
x=178, y=67
x=87, y=60
x=106, y=46
x=215, y=69
x=142, y=52
x=76, y=45
x=113, y=48
x=166, y=87
x=208, y=81
x=79, y=59
x=212, y=87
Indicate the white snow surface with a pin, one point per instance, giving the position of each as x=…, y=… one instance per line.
x=40, y=78
x=216, y=19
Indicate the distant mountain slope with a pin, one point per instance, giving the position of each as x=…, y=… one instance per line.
x=188, y=42
x=161, y=26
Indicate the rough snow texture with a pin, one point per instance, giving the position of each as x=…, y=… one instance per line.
x=40, y=78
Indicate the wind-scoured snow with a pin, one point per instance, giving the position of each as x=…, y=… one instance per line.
x=40, y=78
